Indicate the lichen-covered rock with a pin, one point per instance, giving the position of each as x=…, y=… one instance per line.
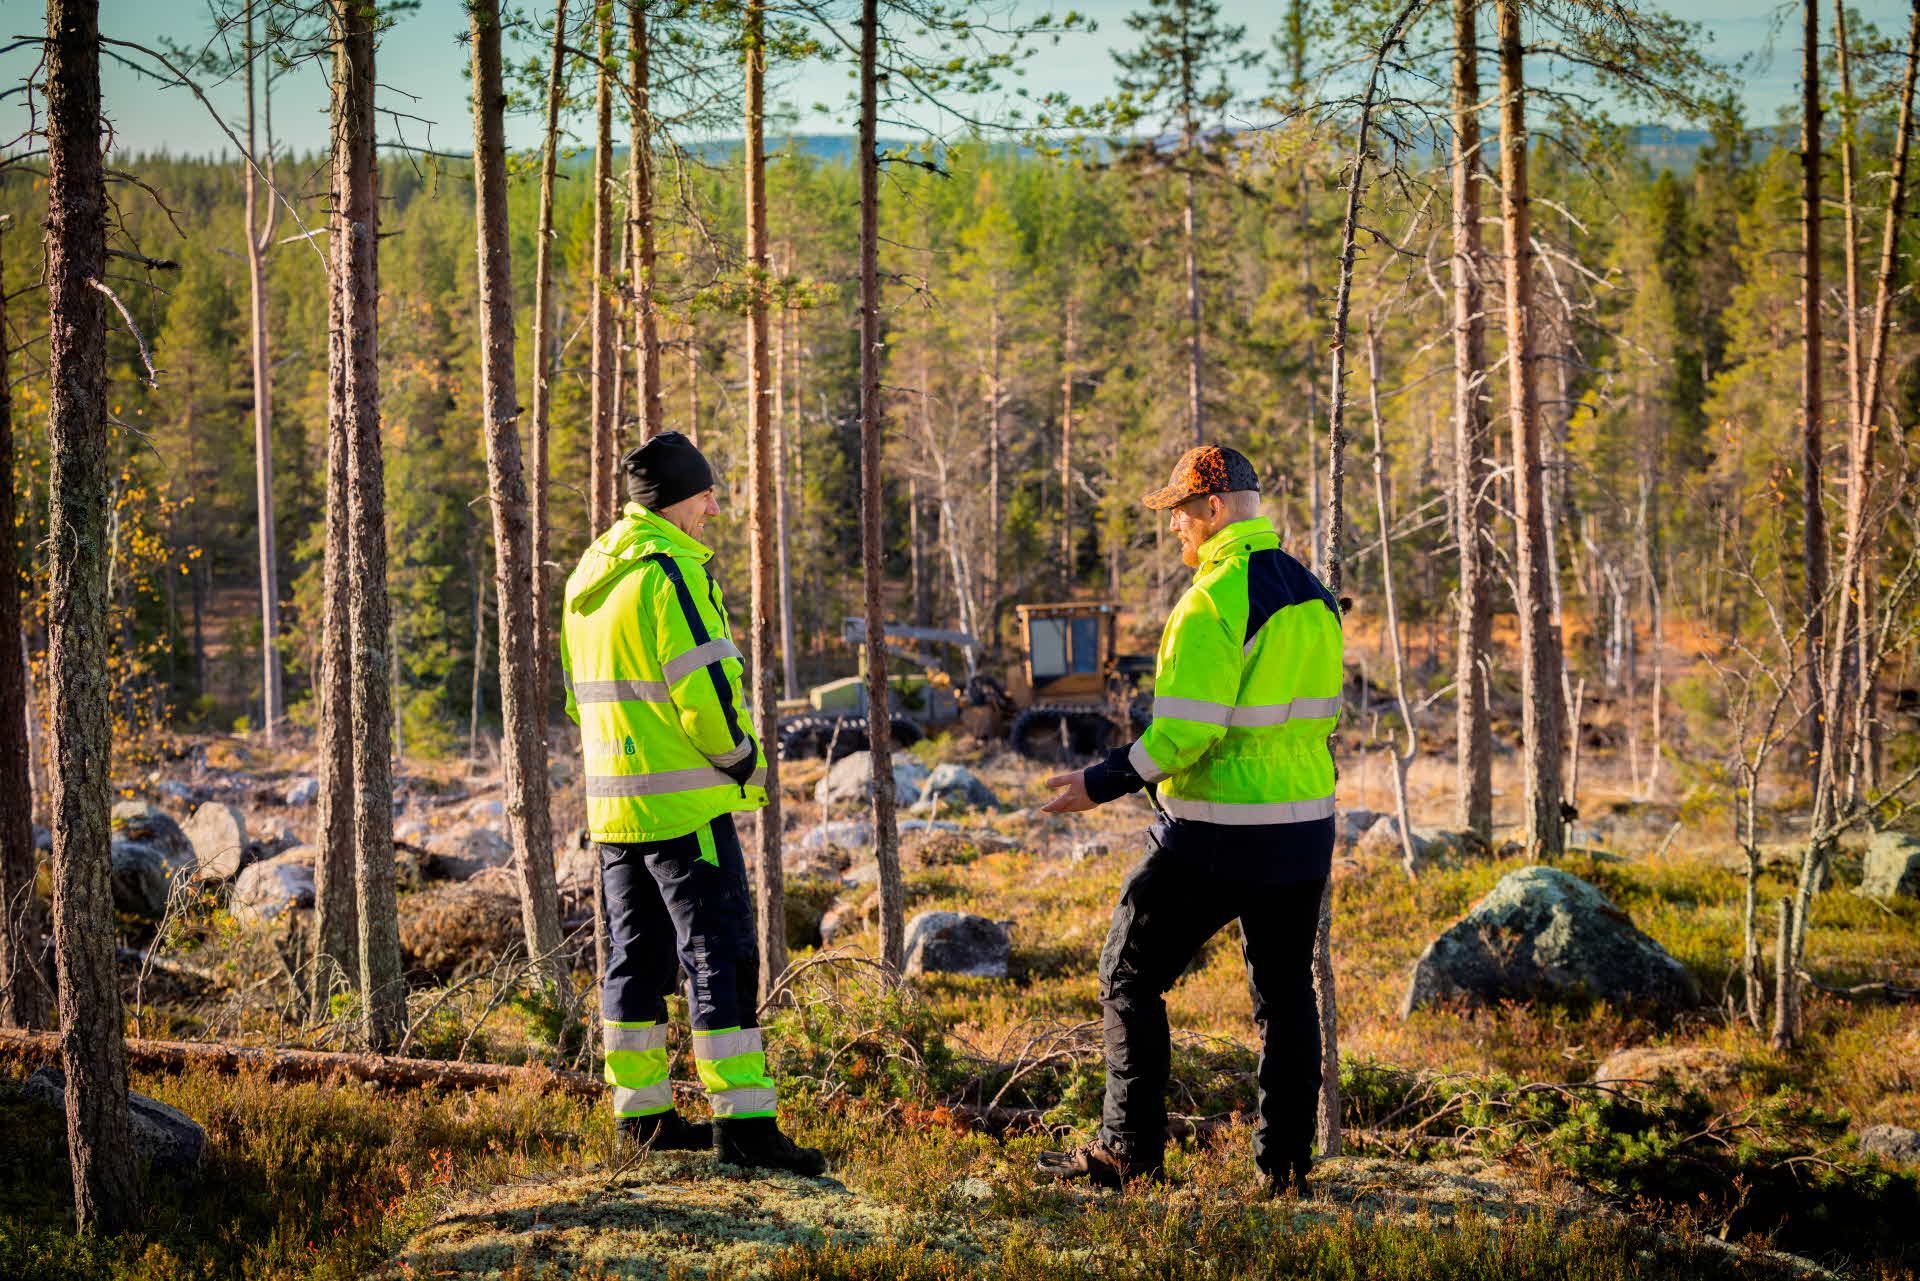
x=304, y=790
x=1891, y=866
x=266, y=891
x=850, y=780
x=1381, y=841
x=843, y=835
x=1542, y=934
x=1892, y=1143
x=218, y=832
x=170, y=1142
x=1350, y=825
x=1693, y=1067
x=956, y=786
x=139, y=878
x=447, y=929
x=1086, y=851
x=947, y=847
x=957, y=943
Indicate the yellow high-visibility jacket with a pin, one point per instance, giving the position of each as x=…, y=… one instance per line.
x=654, y=682
x=1246, y=691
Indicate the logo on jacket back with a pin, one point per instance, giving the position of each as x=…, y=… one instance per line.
x=628, y=746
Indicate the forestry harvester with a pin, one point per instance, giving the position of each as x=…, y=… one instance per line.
x=1069, y=696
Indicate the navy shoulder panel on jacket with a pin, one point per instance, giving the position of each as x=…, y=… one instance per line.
x=1276, y=580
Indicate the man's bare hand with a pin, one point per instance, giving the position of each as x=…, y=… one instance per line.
x=1071, y=798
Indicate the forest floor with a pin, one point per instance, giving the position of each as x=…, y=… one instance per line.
x=1473, y=1149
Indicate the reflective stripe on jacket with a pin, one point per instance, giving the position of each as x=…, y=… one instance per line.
x=1246, y=688
x=654, y=682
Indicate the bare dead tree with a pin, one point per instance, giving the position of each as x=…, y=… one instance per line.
x=1329, y=550
x=640, y=239
x=259, y=241
x=106, y=1195
x=1472, y=509
x=542, y=361
x=601, y=462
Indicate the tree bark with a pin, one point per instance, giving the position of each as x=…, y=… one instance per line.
x=1066, y=442
x=601, y=462
x=995, y=449
x=640, y=217
x=355, y=248
x=521, y=701
x=789, y=667
x=770, y=902
x=1472, y=510
x=879, y=709
x=1539, y=638
x=542, y=362
x=259, y=240
x=25, y=1000
x=79, y=502
x=1195, y=411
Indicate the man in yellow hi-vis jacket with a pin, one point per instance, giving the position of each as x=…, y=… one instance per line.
x=654, y=681
x=1246, y=694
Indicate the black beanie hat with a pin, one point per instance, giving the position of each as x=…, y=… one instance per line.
x=664, y=471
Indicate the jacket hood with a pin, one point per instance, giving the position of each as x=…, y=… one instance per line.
x=637, y=535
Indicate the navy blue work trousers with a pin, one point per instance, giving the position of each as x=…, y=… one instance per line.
x=1195, y=879
x=680, y=905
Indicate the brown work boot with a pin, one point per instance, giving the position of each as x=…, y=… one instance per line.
x=663, y=1132
x=1099, y=1164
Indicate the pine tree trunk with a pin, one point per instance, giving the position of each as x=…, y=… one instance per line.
x=521, y=700
x=1813, y=510
x=355, y=250
x=1472, y=510
x=542, y=362
x=24, y=998
x=259, y=239
x=789, y=669
x=1195, y=413
x=601, y=463
x=886, y=833
x=640, y=217
x=1539, y=639
x=995, y=448
x=79, y=500
x=771, y=901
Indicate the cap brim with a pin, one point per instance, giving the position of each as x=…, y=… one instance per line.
x=1170, y=496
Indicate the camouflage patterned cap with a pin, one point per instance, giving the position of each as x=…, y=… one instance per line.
x=1204, y=469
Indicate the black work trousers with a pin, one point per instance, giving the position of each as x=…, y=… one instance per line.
x=674, y=906
x=1196, y=879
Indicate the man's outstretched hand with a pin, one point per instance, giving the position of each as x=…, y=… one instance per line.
x=1071, y=797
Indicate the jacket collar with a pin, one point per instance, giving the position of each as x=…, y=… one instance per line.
x=653, y=533
x=1256, y=534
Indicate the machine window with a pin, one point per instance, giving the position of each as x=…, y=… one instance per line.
x=1086, y=644
x=1047, y=642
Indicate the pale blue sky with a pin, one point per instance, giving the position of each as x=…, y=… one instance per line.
x=423, y=56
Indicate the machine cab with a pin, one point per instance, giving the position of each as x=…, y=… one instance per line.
x=1068, y=649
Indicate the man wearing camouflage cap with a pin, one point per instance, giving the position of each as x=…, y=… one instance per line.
x=1246, y=696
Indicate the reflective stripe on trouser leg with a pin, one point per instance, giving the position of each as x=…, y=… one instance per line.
x=636, y=1068
x=732, y=1063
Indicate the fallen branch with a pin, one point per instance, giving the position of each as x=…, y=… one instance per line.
x=318, y=1065
x=1881, y=991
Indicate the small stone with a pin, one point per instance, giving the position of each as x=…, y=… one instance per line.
x=1892, y=1142
x=956, y=786
x=463, y=852
x=139, y=878
x=304, y=790
x=171, y=1143
x=957, y=943
x=1891, y=866
x=143, y=824
x=1351, y=825
x=850, y=835
x=850, y=781
x=219, y=836
x=177, y=792
x=1381, y=840
x=1087, y=851
x=266, y=891
x=1688, y=1066
x=488, y=810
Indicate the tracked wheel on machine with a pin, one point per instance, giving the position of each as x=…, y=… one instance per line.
x=1061, y=734
x=816, y=734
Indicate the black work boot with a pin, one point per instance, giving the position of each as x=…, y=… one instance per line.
x=1289, y=1181
x=1100, y=1164
x=756, y=1141
x=663, y=1132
